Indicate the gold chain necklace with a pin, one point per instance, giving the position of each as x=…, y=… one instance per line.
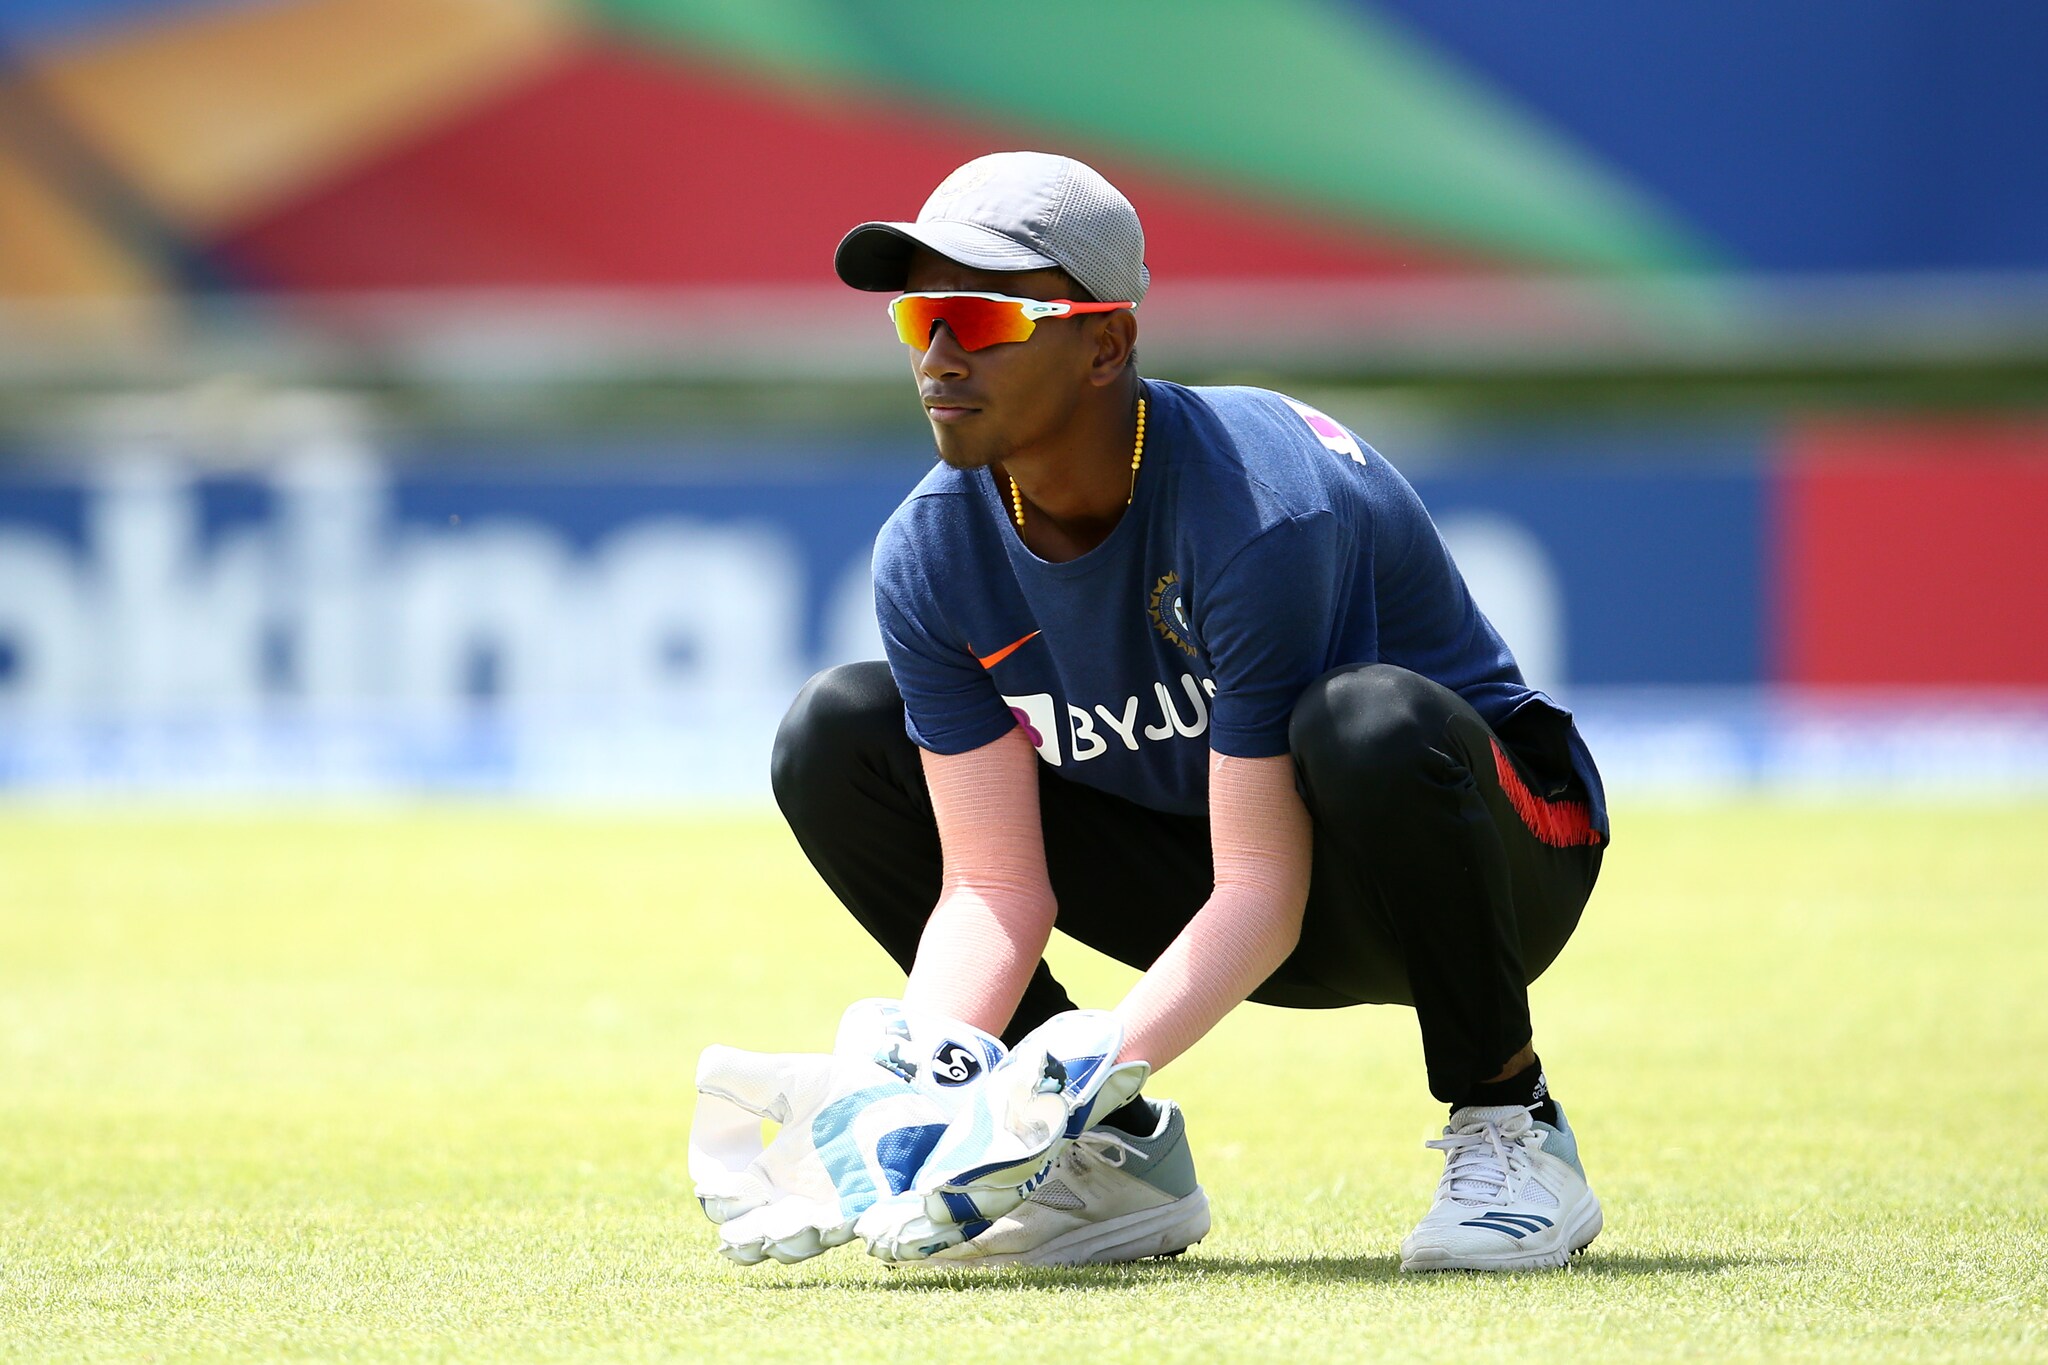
x=1137, y=458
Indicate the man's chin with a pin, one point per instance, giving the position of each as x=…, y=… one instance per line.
x=956, y=456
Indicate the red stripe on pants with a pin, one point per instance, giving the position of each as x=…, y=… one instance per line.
x=1560, y=824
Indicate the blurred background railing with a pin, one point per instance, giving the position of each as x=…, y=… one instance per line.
x=454, y=396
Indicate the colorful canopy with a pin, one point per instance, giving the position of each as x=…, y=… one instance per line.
x=151, y=146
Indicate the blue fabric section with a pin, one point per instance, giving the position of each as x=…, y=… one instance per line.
x=1079, y=1072
x=1829, y=135
x=1515, y=1225
x=832, y=1137
x=42, y=21
x=960, y=1207
x=903, y=1150
x=58, y=508
x=1077, y=1121
x=1259, y=553
x=826, y=503
x=1662, y=565
x=1500, y=1223
x=1532, y=1221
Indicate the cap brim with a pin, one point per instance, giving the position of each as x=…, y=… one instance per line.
x=876, y=256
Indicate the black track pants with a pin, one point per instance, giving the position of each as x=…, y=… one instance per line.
x=1429, y=888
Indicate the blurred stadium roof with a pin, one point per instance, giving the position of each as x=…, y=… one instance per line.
x=512, y=189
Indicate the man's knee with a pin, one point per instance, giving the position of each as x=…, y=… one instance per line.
x=1370, y=727
x=839, y=716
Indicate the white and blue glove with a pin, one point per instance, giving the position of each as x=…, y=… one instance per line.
x=1058, y=1082
x=856, y=1125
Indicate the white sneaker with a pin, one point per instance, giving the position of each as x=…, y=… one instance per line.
x=1111, y=1196
x=1513, y=1196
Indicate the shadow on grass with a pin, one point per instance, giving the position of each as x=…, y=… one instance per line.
x=1334, y=1269
x=1302, y=1270
x=1701, y=1263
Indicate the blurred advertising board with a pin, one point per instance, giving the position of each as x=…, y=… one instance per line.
x=619, y=621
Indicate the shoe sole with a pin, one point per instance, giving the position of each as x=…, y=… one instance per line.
x=1167, y=1230
x=1584, y=1227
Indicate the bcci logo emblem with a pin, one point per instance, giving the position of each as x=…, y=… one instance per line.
x=1168, y=609
x=955, y=1064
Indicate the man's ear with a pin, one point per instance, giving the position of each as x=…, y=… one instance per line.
x=1116, y=347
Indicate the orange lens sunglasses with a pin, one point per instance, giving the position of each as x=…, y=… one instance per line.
x=980, y=320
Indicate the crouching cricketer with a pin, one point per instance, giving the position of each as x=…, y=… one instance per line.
x=1189, y=672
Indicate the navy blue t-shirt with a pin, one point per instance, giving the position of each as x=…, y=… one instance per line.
x=1265, y=545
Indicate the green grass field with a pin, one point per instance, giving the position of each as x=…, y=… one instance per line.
x=416, y=1086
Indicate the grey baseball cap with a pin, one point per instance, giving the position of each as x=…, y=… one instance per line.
x=1012, y=211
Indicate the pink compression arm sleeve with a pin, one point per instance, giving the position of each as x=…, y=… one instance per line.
x=1260, y=836
x=995, y=909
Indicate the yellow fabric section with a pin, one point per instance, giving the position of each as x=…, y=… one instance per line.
x=51, y=251
x=214, y=116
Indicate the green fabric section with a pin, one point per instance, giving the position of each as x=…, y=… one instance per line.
x=1325, y=108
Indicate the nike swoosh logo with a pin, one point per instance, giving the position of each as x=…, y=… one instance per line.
x=991, y=660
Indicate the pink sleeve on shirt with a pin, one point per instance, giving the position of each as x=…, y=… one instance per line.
x=996, y=910
x=1260, y=839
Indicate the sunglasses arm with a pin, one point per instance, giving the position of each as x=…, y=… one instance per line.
x=1066, y=306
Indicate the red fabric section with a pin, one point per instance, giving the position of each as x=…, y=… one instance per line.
x=1561, y=824
x=624, y=167
x=1915, y=554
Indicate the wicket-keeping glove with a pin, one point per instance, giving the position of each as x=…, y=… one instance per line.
x=856, y=1125
x=1057, y=1083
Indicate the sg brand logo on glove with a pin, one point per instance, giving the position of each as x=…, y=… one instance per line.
x=955, y=1064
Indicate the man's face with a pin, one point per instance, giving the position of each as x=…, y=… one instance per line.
x=984, y=405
